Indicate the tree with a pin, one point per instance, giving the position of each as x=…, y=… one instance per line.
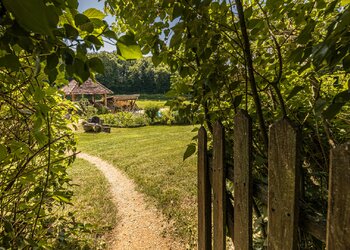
x=42, y=42
x=137, y=76
x=262, y=56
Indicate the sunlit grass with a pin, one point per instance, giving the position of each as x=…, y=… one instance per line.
x=144, y=103
x=152, y=157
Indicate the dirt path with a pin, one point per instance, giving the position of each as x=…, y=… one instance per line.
x=139, y=225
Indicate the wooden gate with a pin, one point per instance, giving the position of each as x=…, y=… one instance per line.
x=285, y=212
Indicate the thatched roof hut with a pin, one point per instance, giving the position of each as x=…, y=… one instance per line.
x=87, y=88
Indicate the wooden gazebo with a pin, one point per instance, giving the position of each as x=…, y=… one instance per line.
x=89, y=87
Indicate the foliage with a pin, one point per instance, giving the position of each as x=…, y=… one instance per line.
x=33, y=145
x=273, y=58
x=152, y=112
x=85, y=109
x=172, y=117
x=125, y=120
x=41, y=43
x=129, y=77
x=166, y=117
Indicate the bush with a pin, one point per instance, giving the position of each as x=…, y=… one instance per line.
x=125, y=120
x=101, y=109
x=166, y=117
x=152, y=112
x=170, y=117
x=86, y=109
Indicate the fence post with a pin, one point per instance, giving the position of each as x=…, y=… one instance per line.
x=338, y=219
x=283, y=180
x=204, y=193
x=219, y=187
x=242, y=182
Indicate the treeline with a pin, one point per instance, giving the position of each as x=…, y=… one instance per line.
x=136, y=76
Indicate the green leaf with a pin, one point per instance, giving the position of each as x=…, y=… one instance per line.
x=319, y=105
x=294, y=92
x=237, y=101
x=93, y=39
x=332, y=110
x=338, y=102
x=96, y=64
x=3, y=152
x=273, y=5
x=99, y=24
x=31, y=15
x=81, y=19
x=88, y=27
x=71, y=32
x=156, y=59
x=10, y=61
x=51, y=61
x=110, y=34
x=195, y=129
x=73, y=4
x=94, y=13
x=191, y=149
x=346, y=63
x=51, y=73
x=345, y=2
x=342, y=97
x=184, y=71
x=81, y=71
x=61, y=198
x=40, y=137
x=177, y=11
x=81, y=51
x=128, y=48
x=306, y=34
x=330, y=7
x=320, y=4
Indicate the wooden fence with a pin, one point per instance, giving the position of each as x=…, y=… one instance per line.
x=285, y=212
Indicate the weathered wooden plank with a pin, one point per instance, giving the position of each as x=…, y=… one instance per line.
x=338, y=220
x=283, y=179
x=312, y=224
x=219, y=187
x=204, y=193
x=242, y=182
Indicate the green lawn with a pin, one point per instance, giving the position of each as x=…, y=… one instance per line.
x=144, y=103
x=152, y=157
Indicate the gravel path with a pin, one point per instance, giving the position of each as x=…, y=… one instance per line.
x=139, y=225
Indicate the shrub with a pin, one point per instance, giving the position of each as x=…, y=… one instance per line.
x=166, y=117
x=101, y=109
x=86, y=110
x=125, y=119
x=152, y=112
x=170, y=117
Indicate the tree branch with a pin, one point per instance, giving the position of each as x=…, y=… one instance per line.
x=252, y=81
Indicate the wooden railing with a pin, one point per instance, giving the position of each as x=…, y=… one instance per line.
x=285, y=212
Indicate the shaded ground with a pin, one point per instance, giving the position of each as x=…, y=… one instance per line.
x=140, y=225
